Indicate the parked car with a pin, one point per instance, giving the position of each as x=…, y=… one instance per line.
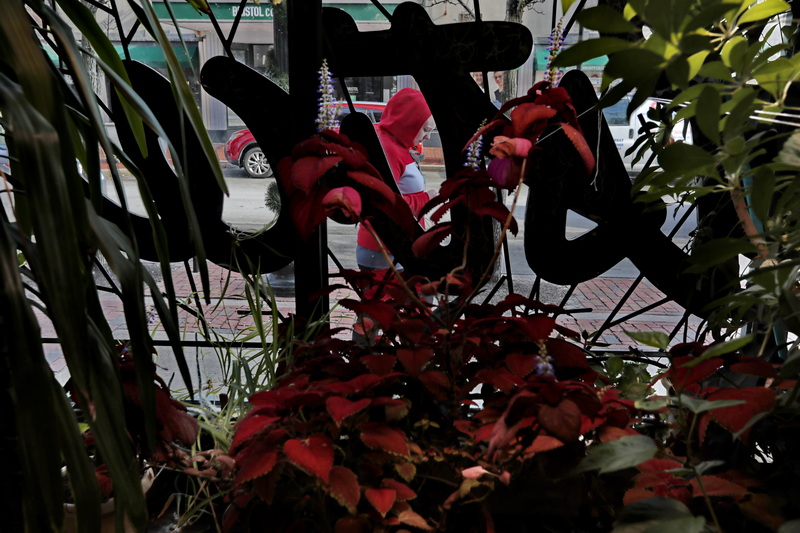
x=625, y=131
x=242, y=150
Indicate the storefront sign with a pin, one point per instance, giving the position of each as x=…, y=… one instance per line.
x=259, y=12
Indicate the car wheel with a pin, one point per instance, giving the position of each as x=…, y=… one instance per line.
x=255, y=163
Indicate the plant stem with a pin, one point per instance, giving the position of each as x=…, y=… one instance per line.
x=706, y=498
x=740, y=205
x=498, y=248
x=411, y=294
x=697, y=475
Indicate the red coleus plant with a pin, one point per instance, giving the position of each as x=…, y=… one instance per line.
x=325, y=176
x=544, y=108
x=390, y=434
x=175, y=429
x=487, y=421
x=464, y=417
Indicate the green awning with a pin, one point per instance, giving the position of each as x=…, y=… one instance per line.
x=541, y=61
x=362, y=12
x=154, y=56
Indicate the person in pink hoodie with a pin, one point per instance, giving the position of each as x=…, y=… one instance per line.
x=405, y=123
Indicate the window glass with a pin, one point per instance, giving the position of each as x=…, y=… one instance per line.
x=616, y=115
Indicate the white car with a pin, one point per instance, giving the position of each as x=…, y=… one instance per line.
x=625, y=131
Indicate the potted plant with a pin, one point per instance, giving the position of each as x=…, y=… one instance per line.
x=175, y=430
x=50, y=240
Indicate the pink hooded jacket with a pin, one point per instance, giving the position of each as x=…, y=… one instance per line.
x=405, y=114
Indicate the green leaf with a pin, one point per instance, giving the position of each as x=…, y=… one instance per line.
x=791, y=367
x=707, y=113
x=763, y=10
x=606, y=19
x=761, y=192
x=653, y=404
x=658, y=515
x=618, y=454
x=739, y=109
x=715, y=70
x=656, y=339
x=718, y=251
x=775, y=75
x=709, y=14
x=202, y=6
x=698, y=406
x=614, y=366
x=721, y=349
x=685, y=158
x=790, y=152
x=733, y=51
x=565, y=5
x=678, y=71
x=696, y=62
x=86, y=23
x=705, y=466
x=586, y=50
x=660, y=17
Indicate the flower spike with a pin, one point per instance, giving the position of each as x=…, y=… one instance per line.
x=326, y=119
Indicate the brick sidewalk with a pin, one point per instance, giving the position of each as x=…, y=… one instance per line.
x=230, y=316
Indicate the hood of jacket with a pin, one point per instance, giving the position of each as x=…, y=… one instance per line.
x=404, y=116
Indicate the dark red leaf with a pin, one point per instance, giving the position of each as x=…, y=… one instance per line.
x=374, y=183
x=414, y=359
x=536, y=327
x=340, y=408
x=343, y=204
x=343, y=486
x=356, y=385
x=436, y=382
x=379, y=364
x=579, y=142
x=406, y=471
x=757, y=400
x=255, y=465
x=379, y=436
x=485, y=432
x=717, y=486
x=306, y=212
x=499, y=212
x=381, y=499
x=314, y=454
x=543, y=443
x=412, y=329
x=381, y=312
x=565, y=354
x=504, y=147
x=506, y=427
x=403, y=491
x=682, y=376
x=500, y=378
x=528, y=116
x=753, y=366
x=637, y=494
x=521, y=364
x=249, y=426
x=352, y=524
x=562, y=421
x=306, y=171
x=429, y=240
x=411, y=518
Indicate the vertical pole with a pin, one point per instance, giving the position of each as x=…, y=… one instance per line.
x=305, y=59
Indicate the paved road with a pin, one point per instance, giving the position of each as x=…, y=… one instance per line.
x=245, y=209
